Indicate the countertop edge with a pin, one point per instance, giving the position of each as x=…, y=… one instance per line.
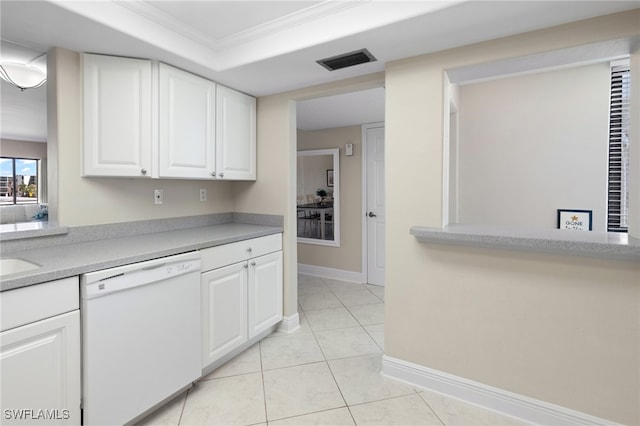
x=49, y=273
x=20, y=234
x=548, y=241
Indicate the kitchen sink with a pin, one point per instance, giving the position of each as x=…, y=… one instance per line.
x=13, y=266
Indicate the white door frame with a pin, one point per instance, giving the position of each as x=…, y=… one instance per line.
x=363, y=215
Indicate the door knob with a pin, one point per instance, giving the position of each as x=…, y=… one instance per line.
x=372, y=214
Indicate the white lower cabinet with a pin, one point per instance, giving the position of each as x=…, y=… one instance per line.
x=265, y=292
x=242, y=299
x=224, y=310
x=40, y=359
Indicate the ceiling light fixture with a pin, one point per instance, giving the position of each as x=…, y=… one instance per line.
x=23, y=76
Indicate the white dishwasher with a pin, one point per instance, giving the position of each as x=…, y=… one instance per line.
x=141, y=330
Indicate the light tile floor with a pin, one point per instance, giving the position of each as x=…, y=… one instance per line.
x=325, y=373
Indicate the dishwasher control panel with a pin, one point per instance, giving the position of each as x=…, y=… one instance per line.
x=106, y=281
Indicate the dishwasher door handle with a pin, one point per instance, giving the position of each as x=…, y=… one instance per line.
x=152, y=267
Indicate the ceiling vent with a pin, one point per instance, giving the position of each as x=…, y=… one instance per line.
x=345, y=60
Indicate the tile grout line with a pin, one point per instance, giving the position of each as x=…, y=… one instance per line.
x=326, y=361
x=264, y=390
x=313, y=333
x=359, y=325
x=328, y=364
x=349, y=310
x=184, y=404
x=363, y=328
x=430, y=407
x=357, y=320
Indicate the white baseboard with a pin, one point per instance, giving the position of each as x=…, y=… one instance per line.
x=495, y=399
x=336, y=274
x=290, y=324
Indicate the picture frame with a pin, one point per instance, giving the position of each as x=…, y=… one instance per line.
x=575, y=220
x=330, y=177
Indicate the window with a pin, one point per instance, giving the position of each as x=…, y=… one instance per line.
x=618, y=191
x=18, y=181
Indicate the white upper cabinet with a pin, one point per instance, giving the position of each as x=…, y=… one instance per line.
x=143, y=119
x=236, y=135
x=117, y=116
x=187, y=132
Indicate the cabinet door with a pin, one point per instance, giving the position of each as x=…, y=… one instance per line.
x=40, y=364
x=224, y=311
x=265, y=292
x=117, y=116
x=236, y=135
x=186, y=125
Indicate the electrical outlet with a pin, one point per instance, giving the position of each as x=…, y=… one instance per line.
x=158, y=196
x=203, y=195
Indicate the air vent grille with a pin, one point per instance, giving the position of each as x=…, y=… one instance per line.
x=345, y=60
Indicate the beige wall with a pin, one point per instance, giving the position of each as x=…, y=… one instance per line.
x=274, y=191
x=561, y=329
x=532, y=144
x=347, y=257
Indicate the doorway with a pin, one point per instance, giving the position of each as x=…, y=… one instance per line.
x=336, y=122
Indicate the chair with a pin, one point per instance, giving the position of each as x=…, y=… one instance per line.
x=328, y=227
x=306, y=222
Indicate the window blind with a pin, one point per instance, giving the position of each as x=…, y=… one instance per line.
x=618, y=174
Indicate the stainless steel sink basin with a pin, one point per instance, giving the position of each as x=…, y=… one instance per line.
x=13, y=266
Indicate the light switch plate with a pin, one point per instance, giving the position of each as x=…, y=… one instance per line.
x=349, y=149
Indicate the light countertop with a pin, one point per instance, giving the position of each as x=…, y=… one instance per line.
x=74, y=259
x=610, y=245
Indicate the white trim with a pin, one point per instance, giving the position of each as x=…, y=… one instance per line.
x=489, y=397
x=363, y=205
x=289, y=324
x=335, y=153
x=446, y=150
x=336, y=274
x=365, y=233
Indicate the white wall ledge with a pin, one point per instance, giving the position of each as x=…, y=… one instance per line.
x=618, y=246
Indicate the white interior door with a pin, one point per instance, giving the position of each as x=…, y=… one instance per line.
x=374, y=142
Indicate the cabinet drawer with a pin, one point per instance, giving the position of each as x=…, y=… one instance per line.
x=216, y=257
x=29, y=304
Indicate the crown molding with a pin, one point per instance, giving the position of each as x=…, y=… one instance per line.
x=287, y=22
x=314, y=25
x=147, y=11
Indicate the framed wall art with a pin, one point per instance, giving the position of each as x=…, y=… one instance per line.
x=576, y=220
